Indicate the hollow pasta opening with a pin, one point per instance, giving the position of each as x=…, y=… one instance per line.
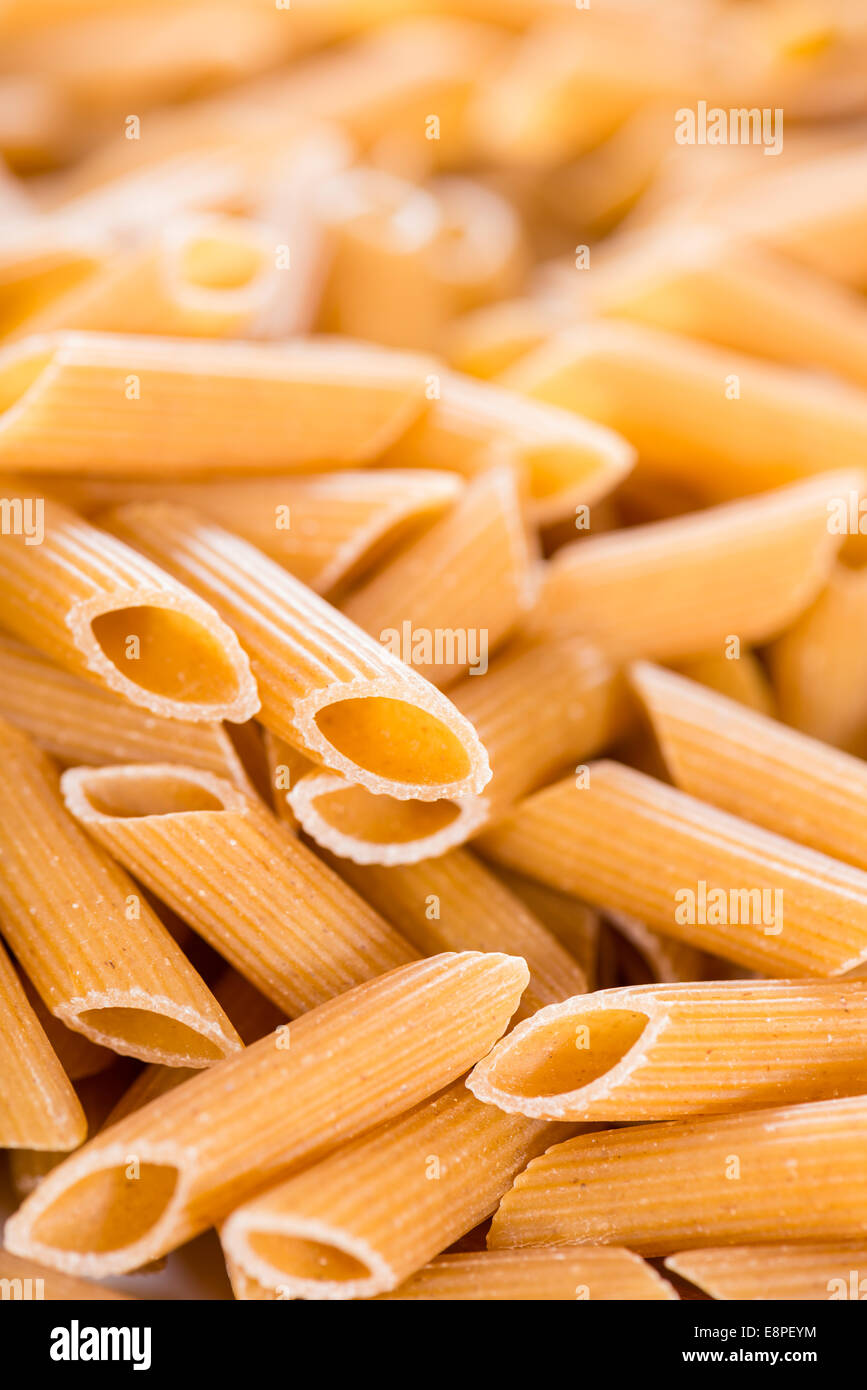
x=108, y=1210
x=18, y=375
x=307, y=1259
x=144, y=1029
x=167, y=653
x=146, y=794
x=567, y=1053
x=394, y=740
x=381, y=820
x=220, y=262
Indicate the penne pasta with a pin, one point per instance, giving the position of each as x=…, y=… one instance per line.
x=99, y=956
x=277, y=1107
x=448, y=600
x=102, y=611
x=567, y=461
x=295, y=932
x=95, y=1097
x=754, y=425
x=74, y=402
x=453, y=903
x=38, y=1107
x=330, y=1232
x=784, y=1272
x=627, y=842
x=80, y=723
x=725, y=1180
x=325, y=686
x=328, y=529
x=657, y=1052
x=759, y=769
x=743, y=679
x=79, y=1057
x=731, y=575
x=599, y=1273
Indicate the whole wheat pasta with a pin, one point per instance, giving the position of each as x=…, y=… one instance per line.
x=38, y=1107
x=657, y=1052
x=753, y=424
x=598, y=1273
x=80, y=723
x=449, y=599
x=821, y=641
x=367, y=828
x=77, y=401
x=743, y=679
x=25, y=1280
x=761, y=1272
x=286, y=765
x=640, y=952
x=453, y=903
x=276, y=1107
x=98, y=955
x=79, y=1056
x=743, y=570
x=575, y=925
x=95, y=1097
x=325, y=686
x=330, y=1232
x=689, y=1183
x=755, y=767
x=203, y=275
x=625, y=841
x=707, y=283
x=328, y=528
x=568, y=461
x=105, y=613
x=239, y=877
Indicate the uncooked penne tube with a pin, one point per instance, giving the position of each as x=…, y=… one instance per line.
x=598, y=1273
x=332, y=1232
x=743, y=570
x=755, y=767
x=202, y=276
x=79, y=1057
x=41, y=257
x=78, y=722
x=724, y=422
x=568, y=461
x=625, y=841
x=98, y=955
x=656, y=1052
x=725, y=1180
x=282, y=1103
x=325, y=686
x=775, y=1272
x=821, y=641
x=454, y=903
x=25, y=1280
x=328, y=528
x=359, y=825
x=239, y=877
x=38, y=1107
x=96, y=1095
x=102, y=611
x=446, y=601
x=79, y=402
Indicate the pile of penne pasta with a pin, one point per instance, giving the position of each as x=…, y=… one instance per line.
x=433, y=649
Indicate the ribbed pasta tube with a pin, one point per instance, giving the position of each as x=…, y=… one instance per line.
x=239, y=876
x=331, y=1232
x=626, y=841
x=656, y=1052
x=325, y=686
x=784, y=1272
x=280, y=1105
x=717, y=1180
x=603, y=1272
x=87, y=401
x=102, y=611
x=99, y=956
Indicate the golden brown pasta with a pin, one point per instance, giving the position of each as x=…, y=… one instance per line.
x=762, y=1272
x=603, y=1272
